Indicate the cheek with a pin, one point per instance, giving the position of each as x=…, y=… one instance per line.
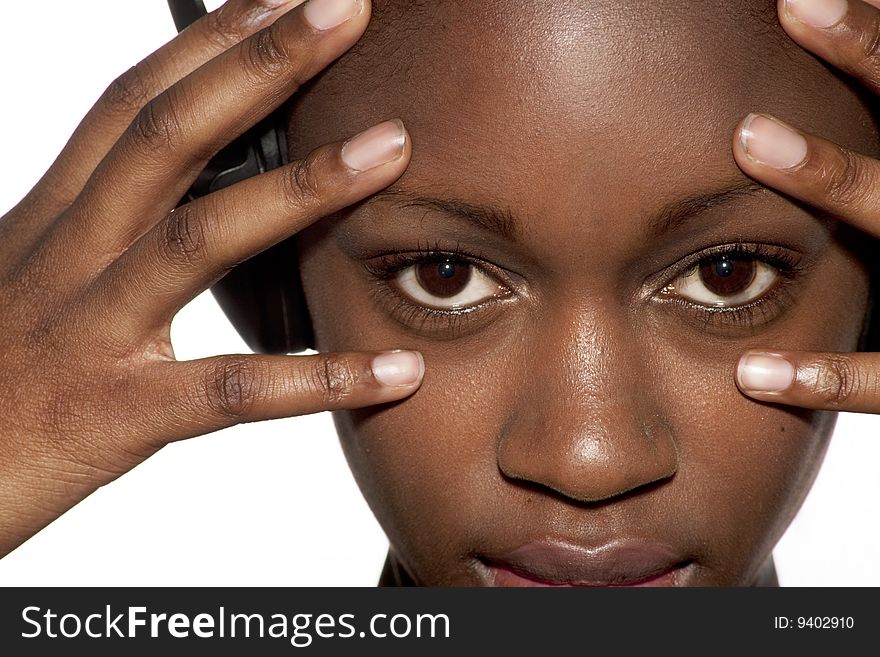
x=747, y=466
x=427, y=466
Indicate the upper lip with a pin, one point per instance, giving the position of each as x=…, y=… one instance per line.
x=616, y=563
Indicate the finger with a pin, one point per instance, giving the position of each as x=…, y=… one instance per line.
x=199, y=242
x=845, y=33
x=195, y=397
x=822, y=381
x=840, y=181
x=123, y=99
x=173, y=137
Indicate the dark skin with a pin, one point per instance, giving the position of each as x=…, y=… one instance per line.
x=595, y=390
x=581, y=407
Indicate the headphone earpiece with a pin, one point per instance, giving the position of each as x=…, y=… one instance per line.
x=870, y=338
x=263, y=296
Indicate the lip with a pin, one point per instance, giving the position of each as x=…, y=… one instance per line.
x=558, y=563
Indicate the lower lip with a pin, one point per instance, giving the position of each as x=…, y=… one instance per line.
x=503, y=577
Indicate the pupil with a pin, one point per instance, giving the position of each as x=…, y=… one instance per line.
x=724, y=267
x=446, y=269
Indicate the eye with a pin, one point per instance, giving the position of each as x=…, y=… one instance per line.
x=447, y=283
x=725, y=281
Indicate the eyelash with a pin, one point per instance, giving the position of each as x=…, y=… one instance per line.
x=757, y=312
x=384, y=267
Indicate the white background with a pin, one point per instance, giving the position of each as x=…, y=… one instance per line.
x=274, y=503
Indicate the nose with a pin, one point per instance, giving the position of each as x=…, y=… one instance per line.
x=587, y=424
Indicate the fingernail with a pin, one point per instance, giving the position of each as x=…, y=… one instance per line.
x=771, y=142
x=817, y=13
x=324, y=14
x=377, y=145
x=764, y=373
x=398, y=368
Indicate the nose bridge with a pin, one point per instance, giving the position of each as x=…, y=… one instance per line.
x=589, y=425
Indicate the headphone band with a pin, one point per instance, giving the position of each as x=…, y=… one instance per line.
x=263, y=296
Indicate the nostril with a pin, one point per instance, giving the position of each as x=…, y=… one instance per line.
x=593, y=464
x=659, y=435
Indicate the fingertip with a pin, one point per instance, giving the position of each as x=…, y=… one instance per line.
x=812, y=14
x=769, y=142
x=761, y=373
x=399, y=369
x=381, y=144
x=328, y=14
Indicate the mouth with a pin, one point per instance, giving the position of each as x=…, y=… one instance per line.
x=556, y=563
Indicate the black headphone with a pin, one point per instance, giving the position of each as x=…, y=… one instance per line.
x=263, y=296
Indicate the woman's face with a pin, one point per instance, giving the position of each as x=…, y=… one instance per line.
x=600, y=265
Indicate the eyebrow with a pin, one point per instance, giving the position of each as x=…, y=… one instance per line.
x=500, y=220
x=674, y=214
x=491, y=218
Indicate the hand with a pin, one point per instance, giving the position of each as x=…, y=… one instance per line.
x=95, y=261
x=837, y=180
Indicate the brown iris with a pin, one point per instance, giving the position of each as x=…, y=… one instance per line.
x=443, y=278
x=726, y=276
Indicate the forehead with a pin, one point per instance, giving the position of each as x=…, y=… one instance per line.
x=548, y=105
